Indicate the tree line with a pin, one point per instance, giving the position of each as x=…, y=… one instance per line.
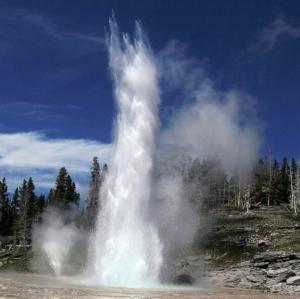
x=205, y=182
x=268, y=183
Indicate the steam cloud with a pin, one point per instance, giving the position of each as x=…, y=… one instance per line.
x=211, y=123
x=58, y=245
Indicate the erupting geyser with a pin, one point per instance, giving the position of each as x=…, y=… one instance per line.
x=126, y=250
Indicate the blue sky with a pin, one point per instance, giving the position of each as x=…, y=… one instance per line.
x=55, y=82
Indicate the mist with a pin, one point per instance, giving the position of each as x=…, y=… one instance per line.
x=59, y=244
x=211, y=123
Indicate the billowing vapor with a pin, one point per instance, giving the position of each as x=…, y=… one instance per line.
x=56, y=241
x=211, y=123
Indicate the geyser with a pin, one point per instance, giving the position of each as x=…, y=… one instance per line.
x=126, y=250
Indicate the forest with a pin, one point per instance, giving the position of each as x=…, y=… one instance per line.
x=206, y=184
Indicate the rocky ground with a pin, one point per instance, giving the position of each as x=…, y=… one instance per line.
x=275, y=272
x=259, y=250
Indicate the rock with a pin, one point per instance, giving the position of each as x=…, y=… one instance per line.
x=274, y=257
x=207, y=258
x=274, y=273
x=281, y=275
x=262, y=243
x=244, y=264
x=261, y=265
x=240, y=242
x=232, y=283
x=276, y=288
x=184, y=279
x=255, y=279
x=295, y=280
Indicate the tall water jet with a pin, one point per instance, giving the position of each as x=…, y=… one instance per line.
x=126, y=248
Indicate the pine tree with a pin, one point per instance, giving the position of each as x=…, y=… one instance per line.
x=284, y=181
x=260, y=183
x=27, y=211
x=31, y=199
x=269, y=164
x=70, y=196
x=5, y=219
x=275, y=183
x=64, y=194
x=39, y=207
x=23, y=219
x=15, y=211
x=92, y=202
x=50, y=197
x=60, y=188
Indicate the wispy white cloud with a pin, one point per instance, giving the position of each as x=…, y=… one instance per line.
x=273, y=32
x=48, y=26
x=33, y=154
x=33, y=150
x=38, y=109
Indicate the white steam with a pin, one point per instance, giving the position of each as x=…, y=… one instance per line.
x=210, y=124
x=54, y=242
x=127, y=249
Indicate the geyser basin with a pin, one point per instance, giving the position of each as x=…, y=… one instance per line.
x=126, y=249
x=41, y=286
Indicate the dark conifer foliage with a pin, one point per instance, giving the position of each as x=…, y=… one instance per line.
x=64, y=194
x=26, y=212
x=93, y=202
x=5, y=213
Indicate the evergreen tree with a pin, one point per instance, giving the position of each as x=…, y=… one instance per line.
x=284, y=181
x=15, y=210
x=31, y=198
x=274, y=184
x=71, y=196
x=259, y=192
x=23, y=219
x=39, y=207
x=5, y=219
x=64, y=194
x=92, y=203
x=50, y=197
x=27, y=211
x=40, y=204
x=60, y=188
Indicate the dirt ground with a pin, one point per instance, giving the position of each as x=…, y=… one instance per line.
x=23, y=285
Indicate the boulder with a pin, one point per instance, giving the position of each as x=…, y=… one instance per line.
x=274, y=257
x=255, y=279
x=295, y=280
x=262, y=243
x=263, y=265
x=184, y=279
x=280, y=275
